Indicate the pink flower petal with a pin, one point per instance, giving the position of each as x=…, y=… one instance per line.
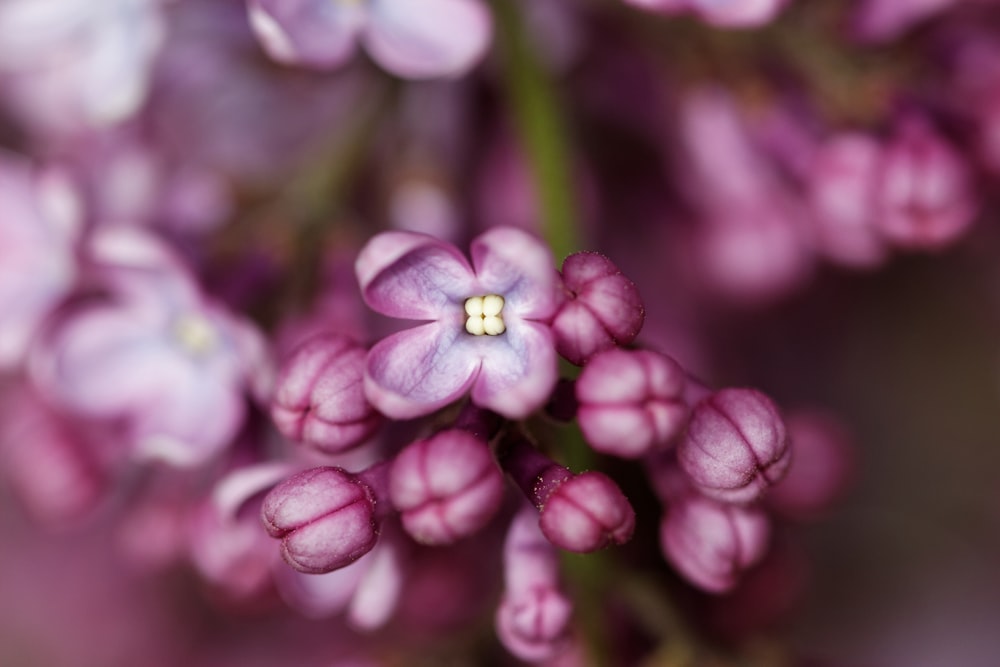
x=431, y=38
x=413, y=276
x=417, y=371
x=519, y=370
x=518, y=266
x=317, y=33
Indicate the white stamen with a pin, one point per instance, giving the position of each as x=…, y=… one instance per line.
x=485, y=315
x=493, y=325
x=492, y=305
x=474, y=306
x=475, y=326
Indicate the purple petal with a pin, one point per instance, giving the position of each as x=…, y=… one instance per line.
x=519, y=369
x=519, y=267
x=318, y=33
x=432, y=38
x=417, y=371
x=413, y=276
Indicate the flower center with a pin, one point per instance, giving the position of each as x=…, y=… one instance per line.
x=196, y=334
x=485, y=315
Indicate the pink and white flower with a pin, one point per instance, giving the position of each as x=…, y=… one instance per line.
x=485, y=329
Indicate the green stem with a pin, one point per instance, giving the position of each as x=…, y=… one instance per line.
x=540, y=127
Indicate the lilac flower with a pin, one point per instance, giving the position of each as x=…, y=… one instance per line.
x=226, y=542
x=48, y=463
x=487, y=332
x=722, y=13
x=603, y=308
x=631, y=401
x=533, y=619
x=580, y=513
x=712, y=543
x=821, y=470
x=925, y=192
x=326, y=518
x=158, y=357
x=319, y=399
x=40, y=217
x=751, y=244
x=446, y=487
x=735, y=446
x=416, y=40
x=73, y=65
x=843, y=193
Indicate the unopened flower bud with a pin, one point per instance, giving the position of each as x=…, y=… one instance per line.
x=533, y=618
x=711, y=543
x=925, y=194
x=325, y=517
x=446, y=487
x=821, y=469
x=735, y=446
x=320, y=398
x=580, y=513
x=603, y=308
x=631, y=402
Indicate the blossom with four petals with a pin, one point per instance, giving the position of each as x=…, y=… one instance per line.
x=485, y=327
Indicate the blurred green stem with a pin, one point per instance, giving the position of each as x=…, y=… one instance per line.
x=540, y=127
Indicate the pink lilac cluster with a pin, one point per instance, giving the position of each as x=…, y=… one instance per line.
x=243, y=347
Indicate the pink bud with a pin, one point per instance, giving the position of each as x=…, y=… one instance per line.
x=325, y=518
x=630, y=401
x=580, y=513
x=842, y=196
x=534, y=615
x=735, y=446
x=320, y=398
x=821, y=469
x=925, y=194
x=603, y=308
x=586, y=513
x=711, y=543
x=446, y=487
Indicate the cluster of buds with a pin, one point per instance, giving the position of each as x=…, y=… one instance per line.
x=467, y=391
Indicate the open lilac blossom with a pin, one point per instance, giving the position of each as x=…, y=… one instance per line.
x=446, y=487
x=72, y=65
x=533, y=619
x=925, y=192
x=40, y=220
x=321, y=595
x=157, y=356
x=326, y=518
x=721, y=13
x=735, y=446
x=380, y=585
x=712, y=543
x=319, y=398
x=432, y=38
x=225, y=540
x=487, y=333
x=580, y=513
x=631, y=402
x=602, y=309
